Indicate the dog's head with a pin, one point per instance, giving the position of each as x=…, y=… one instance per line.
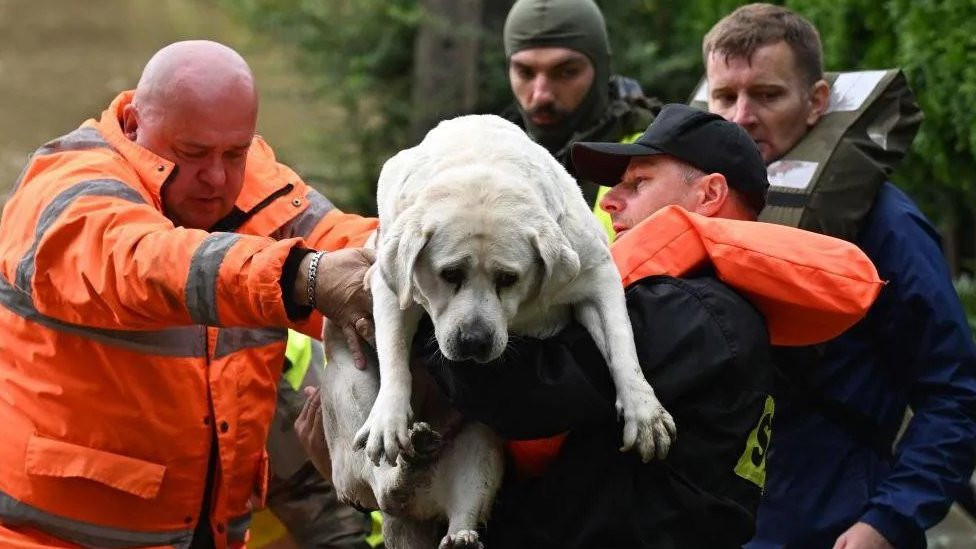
x=472, y=255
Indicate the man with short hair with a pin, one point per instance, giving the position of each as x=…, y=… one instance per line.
x=559, y=68
x=833, y=478
x=150, y=263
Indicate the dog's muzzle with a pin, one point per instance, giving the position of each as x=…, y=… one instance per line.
x=474, y=341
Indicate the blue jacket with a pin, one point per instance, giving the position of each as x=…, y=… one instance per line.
x=913, y=349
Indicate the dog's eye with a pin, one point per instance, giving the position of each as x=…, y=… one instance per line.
x=504, y=280
x=452, y=275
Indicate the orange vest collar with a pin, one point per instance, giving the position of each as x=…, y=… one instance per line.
x=809, y=287
x=663, y=244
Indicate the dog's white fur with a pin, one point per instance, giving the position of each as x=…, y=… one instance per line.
x=483, y=230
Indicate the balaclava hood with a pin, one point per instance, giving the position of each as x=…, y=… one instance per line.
x=574, y=24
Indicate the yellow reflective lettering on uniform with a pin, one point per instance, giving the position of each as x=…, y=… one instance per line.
x=752, y=462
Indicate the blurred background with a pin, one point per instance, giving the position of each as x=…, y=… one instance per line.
x=346, y=83
x=62, y=61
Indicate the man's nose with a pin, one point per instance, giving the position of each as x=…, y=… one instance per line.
x=214, y=173
x=611, y=202
x=745, y=114
x=541, y=91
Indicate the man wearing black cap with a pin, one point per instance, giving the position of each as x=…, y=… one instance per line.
x=704, y=348
x=686, y=158
x=559, y=69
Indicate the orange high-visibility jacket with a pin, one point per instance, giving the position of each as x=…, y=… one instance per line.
x=128, y=341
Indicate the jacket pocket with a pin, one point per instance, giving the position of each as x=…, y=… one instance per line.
x=55, y=458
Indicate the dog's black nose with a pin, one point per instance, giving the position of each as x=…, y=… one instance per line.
x=474, y=341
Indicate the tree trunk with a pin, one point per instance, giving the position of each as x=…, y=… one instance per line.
x=445, y=74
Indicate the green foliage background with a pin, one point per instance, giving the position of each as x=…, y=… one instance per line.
x=359, y=52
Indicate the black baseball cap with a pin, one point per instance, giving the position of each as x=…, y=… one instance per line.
x=703, y=140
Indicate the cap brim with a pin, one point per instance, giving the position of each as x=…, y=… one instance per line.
x=605, y=163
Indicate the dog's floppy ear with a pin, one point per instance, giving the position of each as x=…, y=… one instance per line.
x=401, y=245
x=561, y=264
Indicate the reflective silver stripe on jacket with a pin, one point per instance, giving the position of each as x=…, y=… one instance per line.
x=231, y=340
x=16, y=513
x=96, y=187
x=81, y=139
x=237, y=528
x=183, y=341
x=201, y=280
x=304, y=223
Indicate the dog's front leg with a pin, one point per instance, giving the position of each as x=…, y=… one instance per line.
x=646, y=423
x=386, y=430
x=470, y=472
x=407, y=533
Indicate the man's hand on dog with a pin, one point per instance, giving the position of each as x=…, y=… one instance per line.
x=342, y=294
x=310, y=432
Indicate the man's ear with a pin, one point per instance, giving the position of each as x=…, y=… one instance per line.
x=819, y=101
x=401, y=246
x=712, y=191
x=130, y=121
x=560, y=262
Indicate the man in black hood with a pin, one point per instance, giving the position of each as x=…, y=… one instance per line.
x=559, y=69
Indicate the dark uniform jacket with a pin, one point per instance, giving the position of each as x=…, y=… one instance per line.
x=705, y=351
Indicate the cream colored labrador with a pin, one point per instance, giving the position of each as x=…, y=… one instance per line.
x=488, y=234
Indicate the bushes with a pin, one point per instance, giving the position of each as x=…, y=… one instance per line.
x=358, y=54
x=933, y=42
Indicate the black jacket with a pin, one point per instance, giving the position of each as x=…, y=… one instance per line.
x=705, y=351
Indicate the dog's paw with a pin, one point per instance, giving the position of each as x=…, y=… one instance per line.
x=647, y=425
x=464, y=539
x=426, y=443
x=385, y=432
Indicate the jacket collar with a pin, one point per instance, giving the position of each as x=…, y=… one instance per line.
x=262, y=175
x=152, y=169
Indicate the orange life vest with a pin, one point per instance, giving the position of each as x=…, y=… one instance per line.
x=809, y=287
x=129, y=342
